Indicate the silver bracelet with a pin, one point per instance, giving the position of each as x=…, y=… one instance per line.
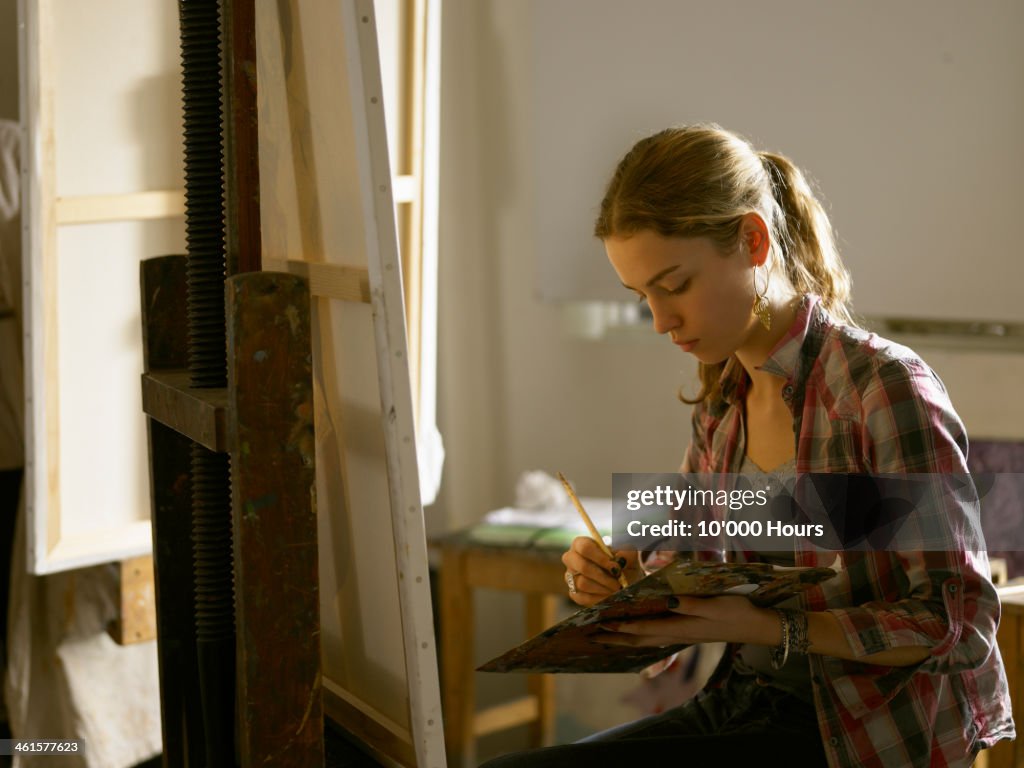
x=800, y=637
x=780, y=654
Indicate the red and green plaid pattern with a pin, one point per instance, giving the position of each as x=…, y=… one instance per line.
x=862, y=404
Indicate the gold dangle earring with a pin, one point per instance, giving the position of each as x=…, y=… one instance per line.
x=761, y=310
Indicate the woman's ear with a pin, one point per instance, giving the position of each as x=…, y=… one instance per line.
x=754, y=238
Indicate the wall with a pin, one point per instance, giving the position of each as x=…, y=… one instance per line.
x=899, y=111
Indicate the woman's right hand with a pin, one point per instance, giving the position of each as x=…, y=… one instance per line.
x=594, y=574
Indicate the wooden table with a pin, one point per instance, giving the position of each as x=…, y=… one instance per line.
x=465, y=566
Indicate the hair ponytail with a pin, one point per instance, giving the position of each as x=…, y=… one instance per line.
x=700, y=181
x=810, y=255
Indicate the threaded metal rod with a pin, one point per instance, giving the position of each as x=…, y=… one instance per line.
x=207, y=364
x=211, y=538
x=214, y=600
x=204, y=191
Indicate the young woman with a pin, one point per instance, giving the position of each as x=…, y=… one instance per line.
x=894, y=661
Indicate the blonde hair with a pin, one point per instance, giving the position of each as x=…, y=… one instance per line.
x=700, y=181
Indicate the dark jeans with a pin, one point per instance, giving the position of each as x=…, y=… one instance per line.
x=742, y=723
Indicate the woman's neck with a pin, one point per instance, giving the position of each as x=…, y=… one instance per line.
x=762, y=341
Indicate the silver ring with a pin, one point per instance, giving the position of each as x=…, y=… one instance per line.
x=570, y=581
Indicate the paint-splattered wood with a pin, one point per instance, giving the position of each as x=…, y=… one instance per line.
x=270, y=426
x=136, y=618
x=174, y=586
x=166, y=395
x=162, y=281
x=194, y=412
x=241, y=138
x=163, y=307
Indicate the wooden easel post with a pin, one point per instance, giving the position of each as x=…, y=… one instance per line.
x=164, y=351
x=264, y=418
x=272, y=444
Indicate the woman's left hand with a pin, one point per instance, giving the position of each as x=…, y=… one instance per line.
x=729, y=618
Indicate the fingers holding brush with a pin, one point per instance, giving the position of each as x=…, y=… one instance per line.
x=594, y=533
x=595, y=575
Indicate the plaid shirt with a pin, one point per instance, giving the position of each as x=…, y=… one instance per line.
x=862, y=404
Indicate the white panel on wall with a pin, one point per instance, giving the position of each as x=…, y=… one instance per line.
x=909, y=116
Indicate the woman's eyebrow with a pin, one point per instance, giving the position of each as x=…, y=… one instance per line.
x=654, y=279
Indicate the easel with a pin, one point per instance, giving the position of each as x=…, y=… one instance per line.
x=264, y=420
x=277, y=617
x=380, y=681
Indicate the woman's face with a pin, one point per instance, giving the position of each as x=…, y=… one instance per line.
x=698, y=296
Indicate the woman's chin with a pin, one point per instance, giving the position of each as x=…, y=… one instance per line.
x=708, y=357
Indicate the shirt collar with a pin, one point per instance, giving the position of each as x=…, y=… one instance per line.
x=785, y=358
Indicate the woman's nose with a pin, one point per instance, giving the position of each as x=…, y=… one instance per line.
x=664, y=317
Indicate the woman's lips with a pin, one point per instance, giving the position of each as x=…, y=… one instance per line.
x=686, y=346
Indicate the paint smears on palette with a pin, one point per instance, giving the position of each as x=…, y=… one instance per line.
x=574, y=645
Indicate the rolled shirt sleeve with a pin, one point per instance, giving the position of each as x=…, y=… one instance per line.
x=944, y=599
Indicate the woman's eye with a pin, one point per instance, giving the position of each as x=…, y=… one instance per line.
x=681, y=288
x=640, y=298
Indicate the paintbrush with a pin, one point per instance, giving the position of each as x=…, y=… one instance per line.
x=594, y=533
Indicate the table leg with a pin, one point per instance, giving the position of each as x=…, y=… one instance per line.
x=540, y=614
x=458, y=690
